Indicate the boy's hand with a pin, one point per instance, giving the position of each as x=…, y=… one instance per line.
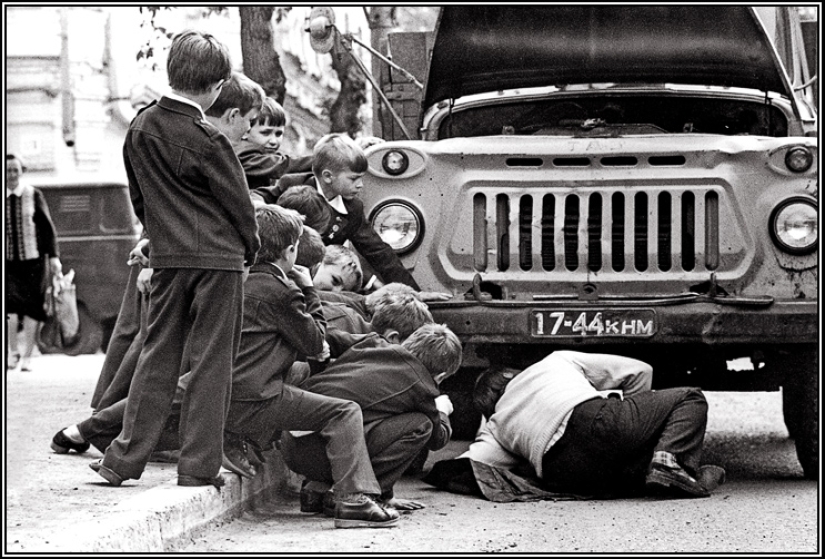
x=434, y=296
x=300, y=275
x=136, y=255
x=443, y=404
x=144, y=280
x=323, y=356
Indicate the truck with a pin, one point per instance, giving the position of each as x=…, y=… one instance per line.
x=639, y=180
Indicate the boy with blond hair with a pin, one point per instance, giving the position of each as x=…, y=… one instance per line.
x=393, y=375
x=189, y=192
x=282, y=317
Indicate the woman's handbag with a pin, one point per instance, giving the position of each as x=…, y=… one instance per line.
x=62, y=327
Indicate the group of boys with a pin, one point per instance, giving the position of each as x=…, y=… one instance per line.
x=199, y=361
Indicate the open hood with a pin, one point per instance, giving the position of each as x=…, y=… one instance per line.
x=480, y=48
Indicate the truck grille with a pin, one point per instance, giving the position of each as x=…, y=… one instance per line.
x=598, y=230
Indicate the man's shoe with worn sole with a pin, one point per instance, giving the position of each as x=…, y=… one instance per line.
x=62, y=444
x=710, y=476
x=364, y=514
x=673, y=482
x=106, y=473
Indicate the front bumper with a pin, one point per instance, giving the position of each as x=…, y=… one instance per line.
x=697, y=321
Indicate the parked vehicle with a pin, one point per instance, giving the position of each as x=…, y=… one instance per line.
x=639, y=180
x=96, y=229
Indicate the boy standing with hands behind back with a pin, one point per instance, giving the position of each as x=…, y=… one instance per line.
x=189, y=192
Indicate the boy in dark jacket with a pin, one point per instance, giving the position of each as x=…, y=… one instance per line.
x=282, y=318
x=189, y=192
x=395, y=383
x=259, y=152
x=338, y=165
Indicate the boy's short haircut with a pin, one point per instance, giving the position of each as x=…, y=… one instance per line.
x=196, y=62
x=278, y=228
x=437, y=347
x=346, y=257
x=239, y=92
x=272, y=114
x=310, y=248
x=402, y=312
x=377, y=297
x=306, y=201
x=338, y=153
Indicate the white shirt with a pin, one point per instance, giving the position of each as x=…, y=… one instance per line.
x=337, y=202
x=180, y=99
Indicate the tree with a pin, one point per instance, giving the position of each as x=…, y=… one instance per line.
x=261, y=61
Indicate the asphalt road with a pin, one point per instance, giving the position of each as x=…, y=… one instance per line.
x=765, y=507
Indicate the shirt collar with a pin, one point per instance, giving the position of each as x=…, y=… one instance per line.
x=337, y=203
x=180, y=99
x=17, y=191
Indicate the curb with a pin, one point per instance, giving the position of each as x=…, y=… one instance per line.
x=167, y=517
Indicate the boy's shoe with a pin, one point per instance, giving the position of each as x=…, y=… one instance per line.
x=26, y=364
x=235, y=458
x=13, y=360
x=108, y=474
x=329, y=504
x=193, y=481
x=666, y=477
x=364, y=514
x=312, y=501
x=62, y=444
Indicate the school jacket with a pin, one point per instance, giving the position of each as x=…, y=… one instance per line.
x=265, y=166
x=352, y=226
x=279, y=321
x=385, y=380
x=188, y=190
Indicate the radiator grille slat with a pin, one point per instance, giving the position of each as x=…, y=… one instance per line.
x=599, y=231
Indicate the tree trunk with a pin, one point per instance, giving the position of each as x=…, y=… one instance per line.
x=260, y=59
x=344, y=111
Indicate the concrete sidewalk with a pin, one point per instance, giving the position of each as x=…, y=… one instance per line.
x=56, y=503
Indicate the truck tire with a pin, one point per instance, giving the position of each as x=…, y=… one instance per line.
x=801, y=407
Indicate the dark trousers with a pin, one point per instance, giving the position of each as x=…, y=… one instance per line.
x=124, y=347
x=392, y=443
x=338, y=425
x=104, y=426
x=201, y=308
x=608, y=443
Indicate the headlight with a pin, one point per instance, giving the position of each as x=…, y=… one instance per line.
x=399, y=225
x=395, y=162
x=794, y=226
x=799, y=159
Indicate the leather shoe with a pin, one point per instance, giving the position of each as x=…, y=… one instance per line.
x=673, y=481
x=311, y=501
x=364, y=514
x=192, y=481
x=329, y=504
x=62, y=444
x=106, y=473
x=235, y=458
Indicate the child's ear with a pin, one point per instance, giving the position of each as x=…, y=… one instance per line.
x=326, y=176
x=392, y=336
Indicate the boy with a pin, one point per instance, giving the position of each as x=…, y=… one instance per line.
x=305, y=200
x=395, y=382
x=238, y=96
x=189, y=192
x=258, y=151
x=339, y=271
x=282, y=317
x=338, y=165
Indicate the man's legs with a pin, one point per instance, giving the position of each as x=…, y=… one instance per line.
x=609, y=443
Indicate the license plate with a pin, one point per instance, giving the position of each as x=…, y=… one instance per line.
x=624, y=323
